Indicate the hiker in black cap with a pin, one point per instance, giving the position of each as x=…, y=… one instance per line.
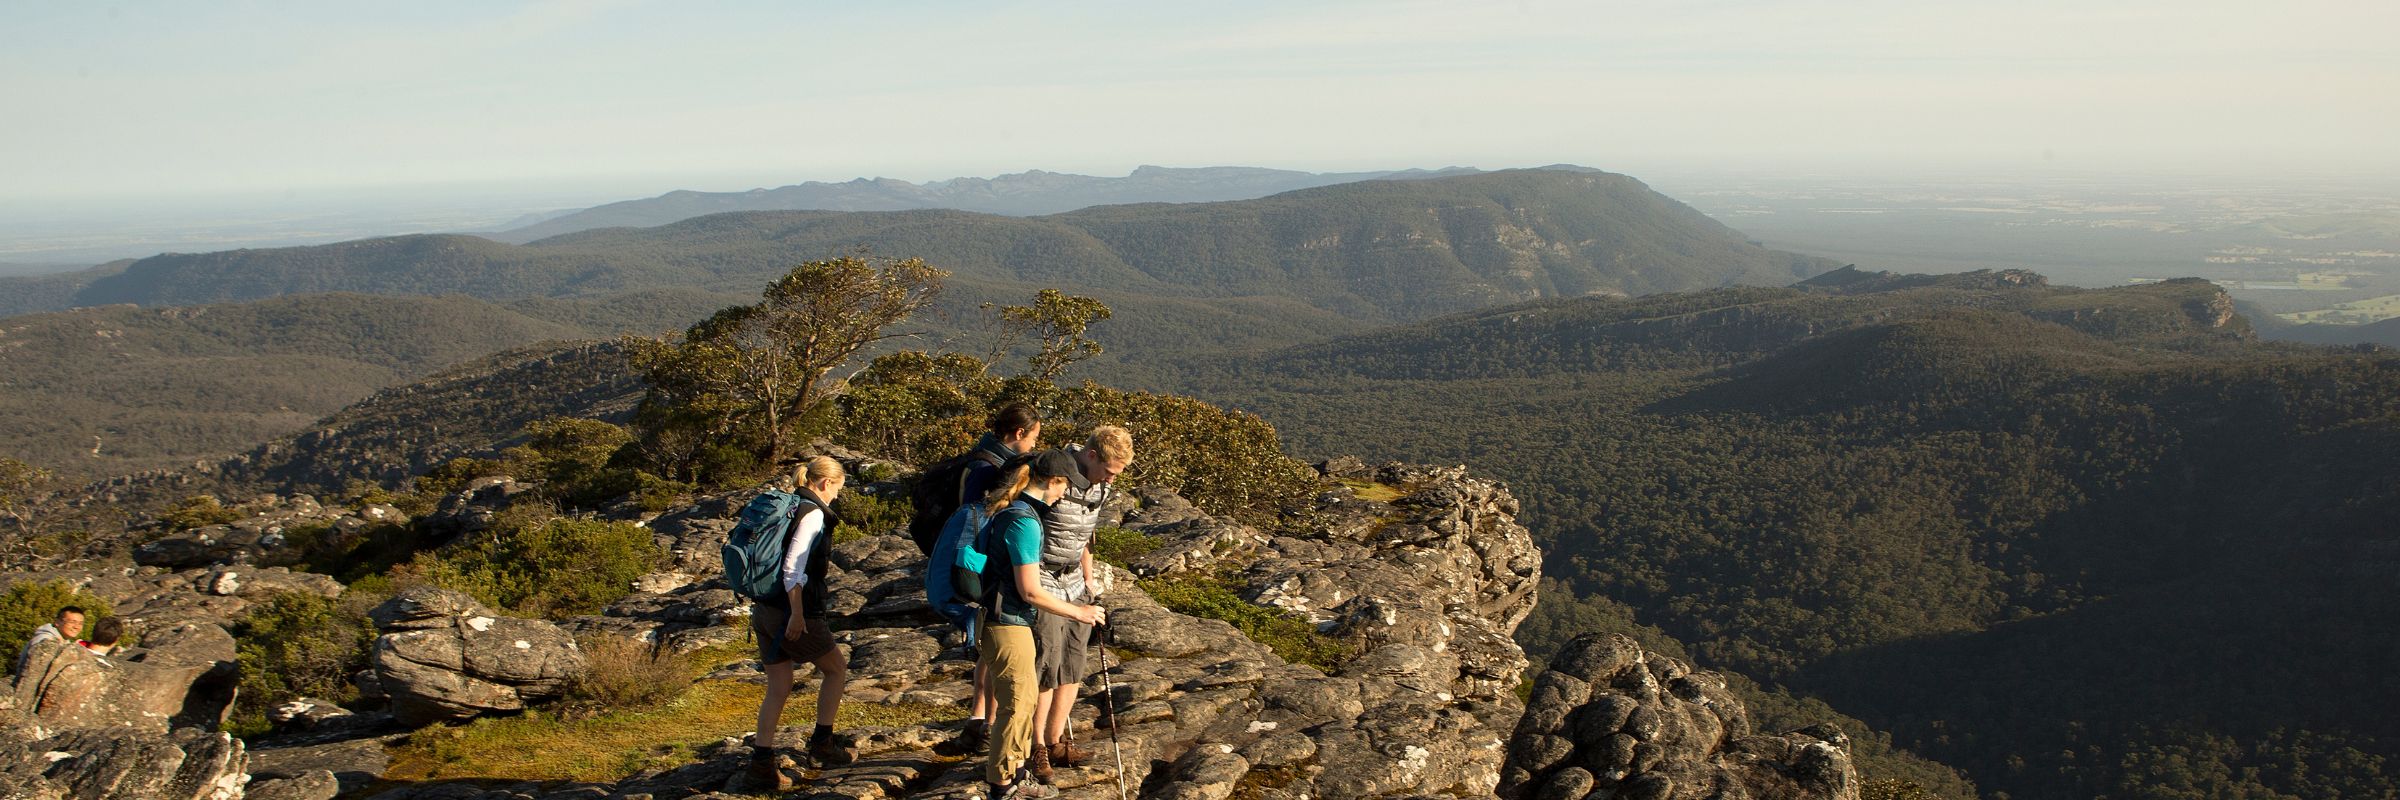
x=1012, y=584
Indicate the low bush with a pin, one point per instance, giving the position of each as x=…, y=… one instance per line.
x=299, y=645
x=1217, y=596
x=551, y=568
x=864, y=514
x=31, y=605
x=624, y=674
x=197, y=511
x=1114, y=545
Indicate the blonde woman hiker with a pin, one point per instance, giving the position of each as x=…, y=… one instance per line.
x=786, y=638
x=1014, y=599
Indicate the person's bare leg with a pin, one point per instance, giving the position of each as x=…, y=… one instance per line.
x=770, y=711
x=1042, y=718
x=836, y=669
x=983, y=694
x=1061, y=714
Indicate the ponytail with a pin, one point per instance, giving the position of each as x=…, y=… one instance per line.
x=1013, y=482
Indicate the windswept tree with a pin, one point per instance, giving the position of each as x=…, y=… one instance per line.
x=758, y=368
x=1056, y=322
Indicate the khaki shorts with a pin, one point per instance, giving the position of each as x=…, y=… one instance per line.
x=1062, y=647
x=767, y=621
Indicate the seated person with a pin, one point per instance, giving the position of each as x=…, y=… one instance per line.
x=105, y=635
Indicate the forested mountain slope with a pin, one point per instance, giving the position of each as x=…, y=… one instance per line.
x=1375, y=251
x=2079, y=543
x=116, y=389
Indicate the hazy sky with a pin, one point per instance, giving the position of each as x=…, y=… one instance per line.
x=109, y=100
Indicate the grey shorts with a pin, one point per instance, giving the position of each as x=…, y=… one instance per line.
x=1061, y=647
x=767, y=621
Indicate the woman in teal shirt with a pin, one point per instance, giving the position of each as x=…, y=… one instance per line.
x=1012, y=543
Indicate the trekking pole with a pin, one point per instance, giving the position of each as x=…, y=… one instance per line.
x=1108, y=694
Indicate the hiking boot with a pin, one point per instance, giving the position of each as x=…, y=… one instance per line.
x=1066, y=754
x=829, y=751
x=973, y=737
x=1039, y=765
x=766, y=771
x=1026, y=788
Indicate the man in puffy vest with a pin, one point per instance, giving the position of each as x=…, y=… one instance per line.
x=1067, y=573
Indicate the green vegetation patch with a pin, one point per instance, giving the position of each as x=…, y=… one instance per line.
x=1374, y=492
x=31, y=605
x=1118, y=546
x=540, y=746
x=299, y=645
x=554, y=568
x=197, y=511
x=1218, y=596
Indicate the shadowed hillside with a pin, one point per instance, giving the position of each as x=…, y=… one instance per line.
x=117, y=389
x=2039, y=533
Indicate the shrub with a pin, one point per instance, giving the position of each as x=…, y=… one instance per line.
x=1226, y=462
x=623, y=674
x=864, y=514
x=31, y=605
x=1217, y=596
x=1114, y=545
x=455, y=474
x=297, y=645
x=554, y=568
x=197, y=511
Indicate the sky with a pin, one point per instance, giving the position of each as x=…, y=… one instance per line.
x=132, y=102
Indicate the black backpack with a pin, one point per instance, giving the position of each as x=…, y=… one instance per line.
x=939, y=492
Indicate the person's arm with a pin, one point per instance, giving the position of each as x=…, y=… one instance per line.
x=795, y=568
x=1023, y=549
x=1029, y=586
x=1089, y=577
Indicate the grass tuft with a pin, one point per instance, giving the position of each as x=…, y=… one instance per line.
x=1374, y=492
x=608, y=747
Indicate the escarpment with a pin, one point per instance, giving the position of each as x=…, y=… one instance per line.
x=1359, y=646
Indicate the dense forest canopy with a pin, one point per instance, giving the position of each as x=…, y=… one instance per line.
x=2076, y=542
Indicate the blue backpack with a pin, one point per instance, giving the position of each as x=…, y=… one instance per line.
x=954, y=556
x=754, y=551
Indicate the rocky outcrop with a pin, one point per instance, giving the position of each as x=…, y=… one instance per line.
x=185, y=677
x=1430, y=581
x=39, y=761
x=260, y=538
x=1612, y=720
x=442, y=657
x=474, y=508
x=151, y=599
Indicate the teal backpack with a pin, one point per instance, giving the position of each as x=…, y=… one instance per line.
x=754, y=551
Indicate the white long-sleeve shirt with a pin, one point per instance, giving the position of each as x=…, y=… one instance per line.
x=795, y=557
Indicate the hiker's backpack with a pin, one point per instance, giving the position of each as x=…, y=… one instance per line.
x=754, y=551
x=938, y=493
x=954, y=570
x=982, y=585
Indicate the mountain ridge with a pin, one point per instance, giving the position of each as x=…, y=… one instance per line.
x=1436, y=245
x=1028, y=193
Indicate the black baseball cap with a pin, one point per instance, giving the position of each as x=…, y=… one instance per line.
x=1055, y=463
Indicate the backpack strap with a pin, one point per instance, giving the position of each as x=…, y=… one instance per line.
x=986, y=456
